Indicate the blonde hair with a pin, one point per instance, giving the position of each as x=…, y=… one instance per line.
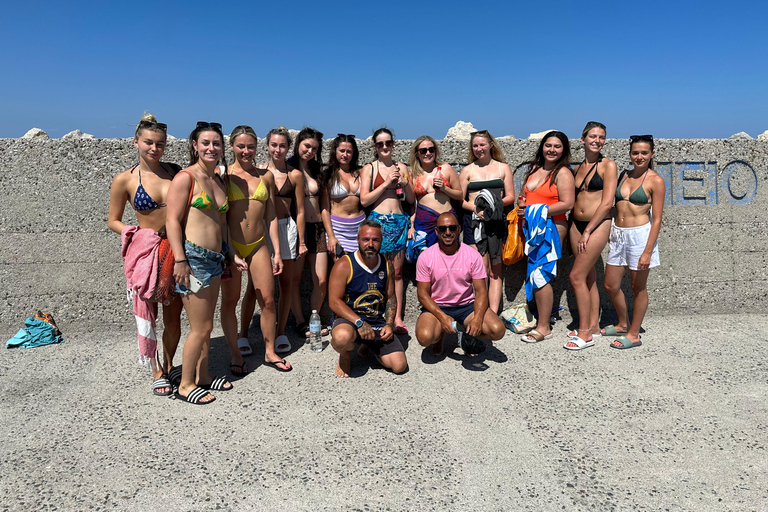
x=413, y=157
x=243, y=129
x=496, y=152
x=280, y=130
x=149, y=122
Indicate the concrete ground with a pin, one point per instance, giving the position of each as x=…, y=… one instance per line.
x=677, y=424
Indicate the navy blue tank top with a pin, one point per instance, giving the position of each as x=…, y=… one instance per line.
x=365, y=290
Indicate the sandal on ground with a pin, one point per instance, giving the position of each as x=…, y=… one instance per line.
x=218, y=384
x=174, y=376
x=274, y=364
x=282, y=345
x=575, y=332
x=238, y=370
x=195, y=396
x=580, y=343
x=160, y=384
x=625, y=343
x=244, y=346
x=611, y=331
x=535, y=336
x=302, y=329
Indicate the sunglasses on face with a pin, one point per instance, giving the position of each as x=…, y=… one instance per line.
x=206, y=124
x=451, y=227
x=387, y=143
x=424, y=151
x=641, y=138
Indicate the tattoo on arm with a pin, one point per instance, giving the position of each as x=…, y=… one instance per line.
x=389, y=313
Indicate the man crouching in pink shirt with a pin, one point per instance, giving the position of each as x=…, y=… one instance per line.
x=452, y=290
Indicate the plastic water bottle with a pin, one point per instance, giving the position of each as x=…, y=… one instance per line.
x=315, y=339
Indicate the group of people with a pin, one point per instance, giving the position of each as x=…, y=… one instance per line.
x=214, y=221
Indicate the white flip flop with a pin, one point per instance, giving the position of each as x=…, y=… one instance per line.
x=282, y=340
x=244, y=346
x=580, y=343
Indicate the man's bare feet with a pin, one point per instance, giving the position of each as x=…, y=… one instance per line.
x=363, y=351
x=437, y=348
x=343, y=366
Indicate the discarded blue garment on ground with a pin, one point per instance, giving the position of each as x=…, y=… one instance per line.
x=542, y=246
x=36, y=334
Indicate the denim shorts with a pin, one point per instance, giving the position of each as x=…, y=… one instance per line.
x=205, y=264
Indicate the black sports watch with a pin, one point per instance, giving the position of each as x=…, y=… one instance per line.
x=359, y=323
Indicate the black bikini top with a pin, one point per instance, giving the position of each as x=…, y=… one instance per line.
x=596, y=182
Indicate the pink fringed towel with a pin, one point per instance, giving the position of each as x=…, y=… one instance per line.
x=139, y=251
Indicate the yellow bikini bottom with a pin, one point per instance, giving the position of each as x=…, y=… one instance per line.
x=245, y=250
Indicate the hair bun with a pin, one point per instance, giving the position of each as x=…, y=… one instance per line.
x=148, y=118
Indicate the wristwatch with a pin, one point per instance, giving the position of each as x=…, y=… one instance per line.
x=359, y=323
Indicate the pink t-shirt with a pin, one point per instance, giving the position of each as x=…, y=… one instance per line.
x=450, y=276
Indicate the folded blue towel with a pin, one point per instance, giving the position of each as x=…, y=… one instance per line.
x=36, y=334
x=542, y=246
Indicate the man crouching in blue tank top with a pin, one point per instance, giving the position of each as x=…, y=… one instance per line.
x=361, y=293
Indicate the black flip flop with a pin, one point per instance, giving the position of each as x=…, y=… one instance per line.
x=174, y=376
x=195, y=396
x=218, y=384
x=274, y=364
x=162, y=383
x=238, y=370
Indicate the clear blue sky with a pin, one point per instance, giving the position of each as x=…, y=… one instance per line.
x=673, y=68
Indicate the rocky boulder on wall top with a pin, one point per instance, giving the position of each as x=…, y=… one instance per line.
x=540, y=135
x=460, y=130
x=740, y=136
x=35, y=133
x=77, y=134
x=763, y=136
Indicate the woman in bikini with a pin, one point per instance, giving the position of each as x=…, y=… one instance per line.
x=435, y=184
x=549, y=181
x=289, y=200
x=595, y=179
x=198, y=232
x=380, y=181
x=145, y=188
x=306, y=158
x=487, y=171
x=250, y=195
x=345, y=213
x=633, y=241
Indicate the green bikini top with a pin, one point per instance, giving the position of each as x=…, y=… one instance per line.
x=203, y=200
x=638, y=196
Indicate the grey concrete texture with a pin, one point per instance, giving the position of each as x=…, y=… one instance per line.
x=677, y=424
x=57, y=254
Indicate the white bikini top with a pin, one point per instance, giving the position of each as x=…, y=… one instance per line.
x=339, y=191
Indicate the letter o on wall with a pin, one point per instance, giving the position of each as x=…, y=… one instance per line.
x=739, y=182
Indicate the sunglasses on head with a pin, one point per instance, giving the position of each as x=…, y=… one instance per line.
x=480, y=132
x=162, y=126
x=450, y=227
x=341, y=135
x=643, y=138
x=424, y=151
x=387, y=143
x=206, y=124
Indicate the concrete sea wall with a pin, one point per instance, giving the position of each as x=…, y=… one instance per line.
x=57, y=254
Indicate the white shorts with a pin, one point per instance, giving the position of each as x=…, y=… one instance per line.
x=626, y=245
x=288, y=235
